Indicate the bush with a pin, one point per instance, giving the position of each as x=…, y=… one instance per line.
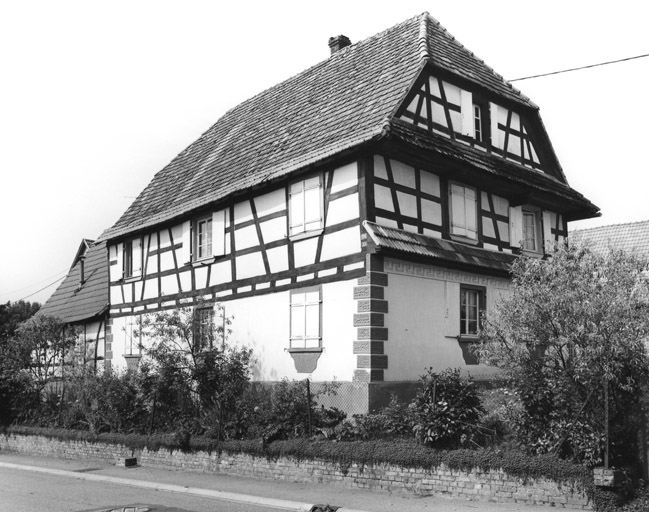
x=447, y=409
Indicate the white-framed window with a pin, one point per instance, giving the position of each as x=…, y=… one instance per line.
x=464, y=211
x=477, y=123
x=202, y=239
x=306, y=318
x=132, y=258
x=306, y=201
x=531, y=231
x=472, y=304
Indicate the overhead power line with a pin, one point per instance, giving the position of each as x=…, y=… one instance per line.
x=582, y=67
x=44, y=288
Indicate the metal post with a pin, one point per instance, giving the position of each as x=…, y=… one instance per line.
x=606, y=452
x=308, y=398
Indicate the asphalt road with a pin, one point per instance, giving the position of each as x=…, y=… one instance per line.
x=26, y=491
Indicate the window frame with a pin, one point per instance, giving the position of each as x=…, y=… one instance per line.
x=197, y=224
x=535, y=214
x=203, y=331
x=465, y=236
x=480, y=293
x=128, y=270
x=301, y=229
x=301, y=308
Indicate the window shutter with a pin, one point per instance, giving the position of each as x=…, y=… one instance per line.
x=117, y=270
x=493, y=113
x=471, y=213
x=515, y=226
x=452, y=310
x=120, y=261
x=548, y=240
x=136, y=245
x=466, y=99
x=185, y=251
x=218, y=233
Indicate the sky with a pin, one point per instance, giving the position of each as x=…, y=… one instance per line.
x=97, y=96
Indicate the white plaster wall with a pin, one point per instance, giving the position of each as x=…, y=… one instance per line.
x=416, y=323
x=262, y=323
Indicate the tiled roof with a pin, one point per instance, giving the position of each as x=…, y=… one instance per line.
x=338, y=104
x=442, y=252
x=72, y=303
x=632, y=237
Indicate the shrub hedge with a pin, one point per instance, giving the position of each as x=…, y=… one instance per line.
x=402, y=453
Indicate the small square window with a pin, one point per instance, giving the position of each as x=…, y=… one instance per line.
x=472, y=306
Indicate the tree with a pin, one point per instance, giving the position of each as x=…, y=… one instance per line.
x=189, y=355
x=571, y=339
x=12, y=315
x=40, y=347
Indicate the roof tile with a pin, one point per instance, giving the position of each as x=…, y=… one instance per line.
x=335, y=105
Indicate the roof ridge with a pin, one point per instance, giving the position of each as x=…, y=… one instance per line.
x=422, y=41
x=620, y=224
x=481, y=61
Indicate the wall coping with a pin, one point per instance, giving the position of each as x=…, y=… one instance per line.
x=477, y=485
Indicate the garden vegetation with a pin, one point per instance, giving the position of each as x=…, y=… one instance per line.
x=570, y=339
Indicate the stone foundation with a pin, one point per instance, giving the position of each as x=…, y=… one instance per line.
x=494, y=486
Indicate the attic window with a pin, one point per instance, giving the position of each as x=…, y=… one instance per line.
x=132, y=258
x=477, y=122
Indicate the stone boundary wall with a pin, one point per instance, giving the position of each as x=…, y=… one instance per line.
x=494, y=486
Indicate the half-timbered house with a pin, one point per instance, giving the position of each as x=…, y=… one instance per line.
x=81, y=301
x=355, y=220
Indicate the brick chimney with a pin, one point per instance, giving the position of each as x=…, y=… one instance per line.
x=338, y=43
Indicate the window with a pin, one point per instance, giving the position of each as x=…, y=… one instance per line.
x=477, y=123
x=472, y=304
x=464, y=217
x=306, y=312
x=132, y=258
x=202, y=238
x=305, y=206
x=531, y=230
x=203, y=328
x=133, y=345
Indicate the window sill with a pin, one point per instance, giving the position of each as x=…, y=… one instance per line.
x=532, y=254
x=463, y=338
x=203, y=261
x=464, y=240
x=304, y=350
x=308, y=234
x=131, y=279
